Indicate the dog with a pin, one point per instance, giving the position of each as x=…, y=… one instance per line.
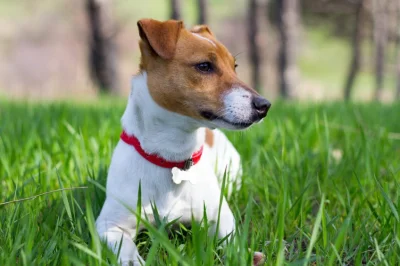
x=170, y=146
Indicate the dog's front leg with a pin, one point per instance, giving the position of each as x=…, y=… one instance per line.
x=226, y=221
x=117, y=226
x=227, y=226
x=117, y=238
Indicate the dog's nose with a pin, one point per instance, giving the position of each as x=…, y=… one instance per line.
x=261, y=105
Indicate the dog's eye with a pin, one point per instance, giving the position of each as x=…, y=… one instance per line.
x=236, y=65
x=205, y=67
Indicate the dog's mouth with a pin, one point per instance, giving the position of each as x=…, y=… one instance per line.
x=235, y=124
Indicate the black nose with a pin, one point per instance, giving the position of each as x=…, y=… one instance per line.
x=261, y=105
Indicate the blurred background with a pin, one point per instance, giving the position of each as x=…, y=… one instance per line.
x=305, y=50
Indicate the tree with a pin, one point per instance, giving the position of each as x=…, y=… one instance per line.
x=380, y=41
x=288, y=20
x=175, y=9
x=102, y=50
x=356, y=50
x=254, y=55
x=202, y=8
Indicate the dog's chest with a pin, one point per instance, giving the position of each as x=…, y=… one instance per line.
x=190, y=196
x=129, y=171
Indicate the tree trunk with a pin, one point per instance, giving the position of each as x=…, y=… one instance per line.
x=175, y=9
x=288, y=20
x=254, y=55
x=397, y=47
x=356, y=51
x=202, y=7
x=102, y=54
x=380, y=41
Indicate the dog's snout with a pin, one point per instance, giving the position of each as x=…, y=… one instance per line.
x=261, y=105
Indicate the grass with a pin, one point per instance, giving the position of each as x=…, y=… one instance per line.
x=320, y=186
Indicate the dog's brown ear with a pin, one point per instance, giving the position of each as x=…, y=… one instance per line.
x=201, y=29
x=160, y=36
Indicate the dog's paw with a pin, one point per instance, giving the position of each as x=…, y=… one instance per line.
x=135, y=262
x=132, y=263
x=258, y=259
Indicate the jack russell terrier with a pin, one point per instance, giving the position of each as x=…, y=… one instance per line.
x=186, y=86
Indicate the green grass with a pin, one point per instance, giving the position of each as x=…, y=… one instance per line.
x=328, y=210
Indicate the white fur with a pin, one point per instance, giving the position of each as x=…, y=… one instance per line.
x=175, y=138
x=204, y=38
x=237, y=104
x=237, y=111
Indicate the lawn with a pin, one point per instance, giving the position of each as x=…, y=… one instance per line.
x=320, y=185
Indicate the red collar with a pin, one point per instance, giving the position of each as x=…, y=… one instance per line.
x=155, y=159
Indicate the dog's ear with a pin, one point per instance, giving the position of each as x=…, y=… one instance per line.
x=201, y=29
x=161, y=37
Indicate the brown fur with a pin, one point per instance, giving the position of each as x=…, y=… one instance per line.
x=175, y=83
x=161, y=36
x=201, y=29
x=209, y=138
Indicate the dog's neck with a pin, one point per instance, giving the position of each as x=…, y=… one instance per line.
x=159, y=131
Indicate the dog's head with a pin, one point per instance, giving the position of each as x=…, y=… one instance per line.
x=191, y=73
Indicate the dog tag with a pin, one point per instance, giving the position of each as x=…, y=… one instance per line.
x=179, y=175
